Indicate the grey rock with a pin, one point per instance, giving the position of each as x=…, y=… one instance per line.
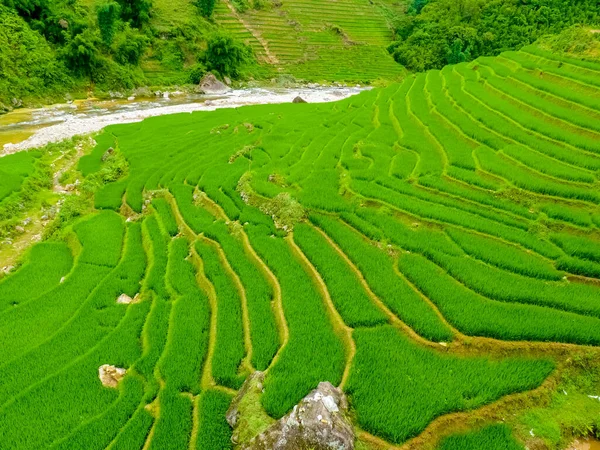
x=19, y=229
x=299, y=99
x=142, y=92
x=319, y=422
x=227, y=81
x=254, y=381
x=107, y=153
x=210, y=85
x=17, y=103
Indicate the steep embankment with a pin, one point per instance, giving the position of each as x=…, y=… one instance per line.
x=318, y=40
x=432, y=247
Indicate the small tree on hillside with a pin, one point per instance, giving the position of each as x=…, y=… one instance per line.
x=206, y=7
x=81, y=53
x=108, y=17
x=225, y=55
x=136, y=12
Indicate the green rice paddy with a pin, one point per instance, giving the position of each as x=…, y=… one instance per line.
x=315, y=40
x=431, y=247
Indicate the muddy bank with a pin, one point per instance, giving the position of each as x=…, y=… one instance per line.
x=585, y=444
x=36, y=128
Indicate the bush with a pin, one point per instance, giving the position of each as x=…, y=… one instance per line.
x=108, y=15
x=206, y=7
x=225, y=55
x=81, y=53
x=28, y=65
x=196, y=73
x=136, y=12
x=129, y=46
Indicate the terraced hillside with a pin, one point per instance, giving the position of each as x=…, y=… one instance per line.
x=315, y=40
x=432, y=248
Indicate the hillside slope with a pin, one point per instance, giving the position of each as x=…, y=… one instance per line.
x=432, y=247
x=318, y=40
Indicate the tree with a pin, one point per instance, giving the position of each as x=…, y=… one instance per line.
x=225, y=55
x=81, y=52
x=418, y=5
x=108, y=17
x=136, y=12
x=28, y=9
x=129, y=46
x=206, y=7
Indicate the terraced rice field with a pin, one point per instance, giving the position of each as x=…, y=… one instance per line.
x=432, y=247
x=314, y=40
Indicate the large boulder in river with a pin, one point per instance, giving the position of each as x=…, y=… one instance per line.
x=319, y=422
x=211, y=85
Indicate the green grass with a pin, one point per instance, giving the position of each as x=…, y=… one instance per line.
x=398, y=387
x=229, y=350
x=43, y=268
x=13, y=171
x=314, y=352
x=492, y=437
x=465, y=198
x=214, y=432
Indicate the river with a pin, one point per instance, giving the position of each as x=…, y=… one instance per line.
x=23, y=129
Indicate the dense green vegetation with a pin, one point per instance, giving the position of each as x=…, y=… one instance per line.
x=398, y=388
x=429, y=246
x=49, y=48
x=439, y=32
x=493, y=437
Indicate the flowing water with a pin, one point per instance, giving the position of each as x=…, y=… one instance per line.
x=585, y=444
x=29, y=128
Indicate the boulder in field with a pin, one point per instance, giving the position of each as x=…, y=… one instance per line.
x=211, y=85
x=299, y=99
x=110, y=376
x=319, y=422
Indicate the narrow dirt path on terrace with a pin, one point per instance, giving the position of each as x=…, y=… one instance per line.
x=206, y=380
x=80, y=150
x=394, y=320
x=195, y=399
x=270, y=57
x=339, y=326
x=277, y=305
x=247, y=361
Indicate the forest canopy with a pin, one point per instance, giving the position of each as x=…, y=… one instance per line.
x=438, y=32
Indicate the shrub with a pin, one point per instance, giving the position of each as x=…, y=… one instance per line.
x=129, y=46
x=225, y=55
x=196, y=73
x=108, y=14
x=136, y=12
x=206, y=7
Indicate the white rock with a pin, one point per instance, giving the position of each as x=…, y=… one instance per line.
x=110, y=376
x=125, y=299
x=330, y=404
